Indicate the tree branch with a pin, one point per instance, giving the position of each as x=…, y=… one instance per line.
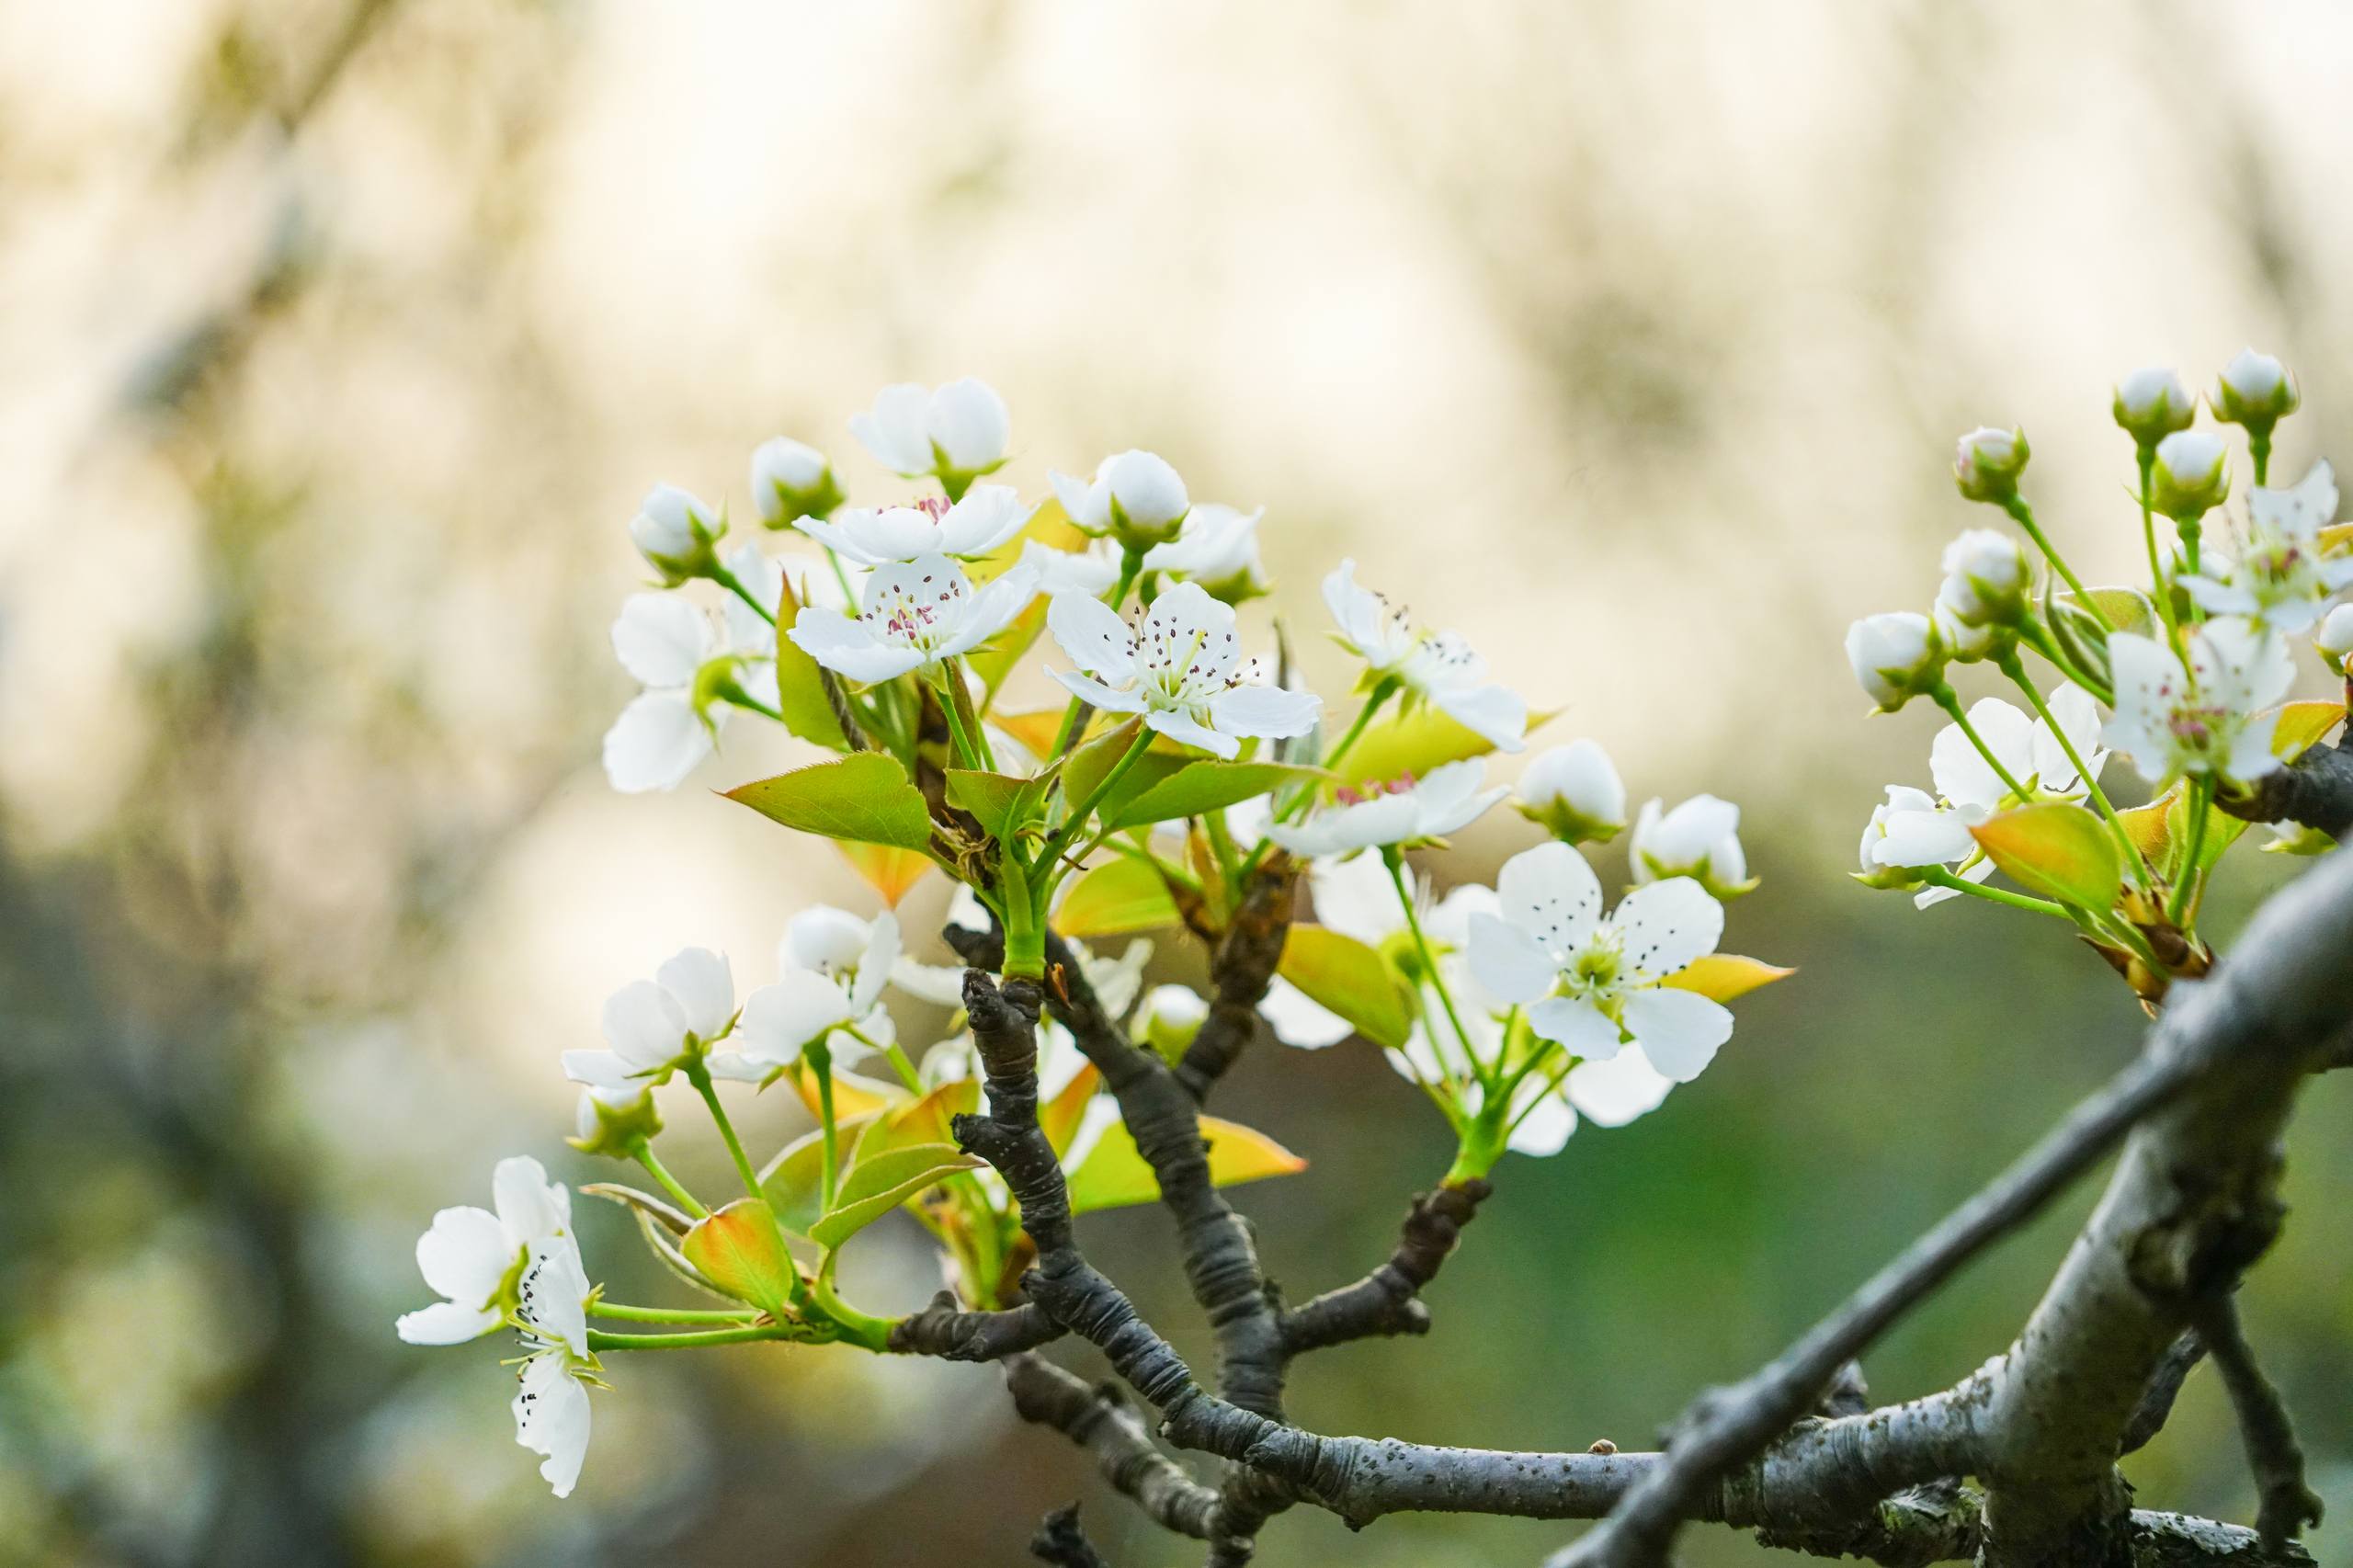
x=1386, y=1302
x=2315, y=789
x=1100, y=1421
x=2272, y=1452
x=945, y=1330
x=1060, y=1541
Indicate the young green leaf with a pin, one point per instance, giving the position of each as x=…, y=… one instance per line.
x=1115, y=898
x=738, y=1250
x=864, y=797
x=800, y=688
x=990, y=797
x=1351, y=979
x=1719, y=977
x=875, y=1186
x=2056, y=850
x=1114, y=1173
x=1205, y=785
x=1400, y=744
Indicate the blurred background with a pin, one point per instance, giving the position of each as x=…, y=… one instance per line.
x=339, y=340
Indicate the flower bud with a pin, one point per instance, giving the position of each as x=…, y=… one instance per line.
x=615, y=1127
x=791, y=478
x=1965, y=644
x=2335, y=635
x=824, y=939
x=1988, y=461
x=1892, y=878
x=1147, y=499
x=2255, y=390
x=1171, y=1017
x=1574, y=792
x=2192, y=473
x=1986, y=579
x=2153, y=404
x=1699, y=839
x=970, y=426
x=1896, y=657
x=675, y=533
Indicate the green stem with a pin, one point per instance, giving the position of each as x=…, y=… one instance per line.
x=734, y=585
x=1077, y=821
x=841, y=575
x=821, y=1058
x=664, y=1314
x=2037, y=636
x=2018, y=508
x=2201, y=806
x=2191, y=529
x=700, y=1077
x=966, y=718
x=1939, y=876
x=2011, y=666
x=670, y=1184
x=860, y=1328
x=1392, y=857
x=599, y=1340
x=2162, y=584
x=2258, y=447
x=1948, y=700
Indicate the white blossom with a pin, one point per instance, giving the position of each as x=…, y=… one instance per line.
x=2278, y=578
x=1091, y=571
x=651, y=1026
x=987, y=516
x=1590, y=983
x=831, y=977
x=1177, y=671
x=1986, y=578
x=1137, y=493
x=1699, y=839
x=2256, y=390
x=673, y=530
x=1989, y=460
x=2208, y=717
x=1441, y=668
x=953, y=431
x=1576, y=790
x=1218, y=548
x=791, y=478
x=2153, y=404
x=1896, y=656
x=1410, y=810
x=914, y=615
x=2335, y=635
x=664, y=734
x=2192, y=472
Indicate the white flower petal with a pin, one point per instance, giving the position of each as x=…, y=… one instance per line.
x=1265, y=711
x=447, y=1322
x=1495, y=712
x=987, y=517
x=530, y=1206
x=847, y=647
x=656, y=743
x=1613, y=1093
x=551, y=1418
x=645, y=1024
x=1680, y=1031
x=1187, y=731
x=704, y=989
x=897, y=429
x=779, y=1020
x=465, y=1255
x=662, y=638
x=1665, y=925
x=1577, y=1024
x=1545, y=1122
x=1552, y=894
x=1509, y=961
x=1299, y=1020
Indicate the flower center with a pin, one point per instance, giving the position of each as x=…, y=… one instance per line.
x=915, y=612
x=1595, y=970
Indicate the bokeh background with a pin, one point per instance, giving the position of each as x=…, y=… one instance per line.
x=338, y=339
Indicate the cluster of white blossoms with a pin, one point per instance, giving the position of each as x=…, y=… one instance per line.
x=2185, y=677
x=1174, y=776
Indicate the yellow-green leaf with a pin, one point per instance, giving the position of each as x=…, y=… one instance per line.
x=1351, y=979
x=1035, y=728
x=1059, y=1117
x=852, y=1100
x=2056, y=850
x=889, y=872
x=864, y=798
x=875, y=1186
x=1205, y=785
x=1719, y=977
x=2125, y=609
x=738, y=1250
x=1114, y=1173
x=794, y=1182
x=1412, y=743
x=990, y=797
x=1115, y=898
x=2302, y=725
x=925, y=1121
x=800, y=691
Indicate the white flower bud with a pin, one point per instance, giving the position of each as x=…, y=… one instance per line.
x=792, y=479
x=1170, y=1017
x=617, y=1125
x=2335, y=635
x=1575, y=791
x=673, y=531
x=969, y=423
x=1147, y=499
x=824, y=939
x=1896, y=657
x=1988, y=461
x=2153, y=404
x=2192, y=473
x=1965, y=644
x=1986, y=578
x=2255, y=390
x=1699, y=839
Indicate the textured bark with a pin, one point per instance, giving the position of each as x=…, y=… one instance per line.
x=945, y=1330
x=1102, y=1422
x=2315, y=789
x=1387, y=1300
x=1060, y=1541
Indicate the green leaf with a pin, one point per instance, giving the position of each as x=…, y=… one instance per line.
x=801, y=690
x=2126, y=609
x=1115, y=898
x=1412, y=742
x=1719, y=977
x=1090, y=762
x=990, y=797
x=929, y=1120
x=864, y=798
x=794, y=1182
x=875, y=1186
x=2056, y=850
x=738, y=1250
x=1351, y=979
x=1114, y=1173
x=1205, y=785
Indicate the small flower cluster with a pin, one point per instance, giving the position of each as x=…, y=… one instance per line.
x=1178, y=781
x=2185, y=678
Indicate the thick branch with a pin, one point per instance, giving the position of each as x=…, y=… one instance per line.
x=1240, y=973
x=2315, y=789
x=2272, y=1452
x=1386, y=1302
x=1102, y=1422
x=945, y=1330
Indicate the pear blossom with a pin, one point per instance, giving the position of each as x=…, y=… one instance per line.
x=690, y=676
x=2256, y=390
x=1956, y=637
x=2205, y=718
x=1409, y=811
x=1986, y=578
x=2279, y=578
x=985, y=516
x=789, y=479
x=653, y=1027
x=1091, y=571
x=749, y=632
x=1135, y=494
x=832, y=983
x=1896, y=657
x=1591, y=982
x=675, y=530
x=1989, y=460
x=1699, y=839
x=2153, y=404
x=956, y=431
x=1441, y=668
x=1218, y=548
x=2335, y=635
x=2192, y=473
x=1355, y=897
x=914, y=615
x=1177, y=671
x=1575, y=791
